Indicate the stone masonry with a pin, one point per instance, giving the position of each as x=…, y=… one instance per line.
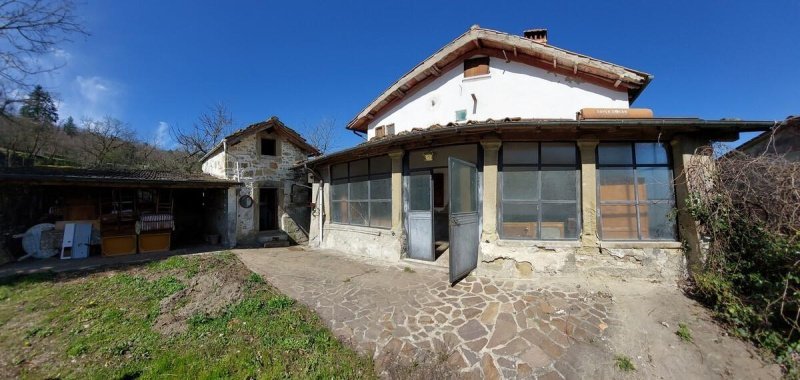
x=244, y=162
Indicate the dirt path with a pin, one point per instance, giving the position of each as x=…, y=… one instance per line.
x=416, y=326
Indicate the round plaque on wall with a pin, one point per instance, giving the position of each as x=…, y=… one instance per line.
x=246, y=201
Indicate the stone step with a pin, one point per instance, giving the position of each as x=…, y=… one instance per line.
x=276, y=244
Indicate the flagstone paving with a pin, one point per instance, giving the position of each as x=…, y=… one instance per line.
x=574, y=326
x=486, y=328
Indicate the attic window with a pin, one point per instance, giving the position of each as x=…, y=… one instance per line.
x=268, y=147
x=476, y=66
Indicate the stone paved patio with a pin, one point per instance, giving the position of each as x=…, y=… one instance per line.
x=483, y=328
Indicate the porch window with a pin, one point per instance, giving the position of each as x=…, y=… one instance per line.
x=361, y=192
x=540, y=191
x=635, y=191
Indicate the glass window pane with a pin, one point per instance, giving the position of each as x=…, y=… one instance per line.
x=359, y=213
x=651, y=153
x=614, y=154
x=559, y=184
x=339, y=171
x=380, y=214
x=558, y=153
x=463, y=189
x=358, y=168
x=359, y=188
x=380, y=165
x=520, y=183
x=339, y=191
x=520, y=153
x=419, y=192
x=559, y=221
x=656, y=221
x=618, y=222
x=520, y=220
x=654, y=184
x=616, y=184
x=380, y=188
x=339, y=212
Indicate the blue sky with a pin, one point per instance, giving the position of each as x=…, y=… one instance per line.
x=157, y=63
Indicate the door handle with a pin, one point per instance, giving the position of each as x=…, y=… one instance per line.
x=454, y=221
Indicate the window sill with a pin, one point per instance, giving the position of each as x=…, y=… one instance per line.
x=632, y=244
x=477, y=77
x=539, y=243
x=376, y=231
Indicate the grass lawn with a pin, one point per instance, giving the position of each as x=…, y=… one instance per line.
x=184, y=317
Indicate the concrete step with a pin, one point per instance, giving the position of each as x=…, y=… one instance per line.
x=272, y=239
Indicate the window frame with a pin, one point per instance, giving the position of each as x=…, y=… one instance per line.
x=634, y=165
x=369, y=200
x=501, y=201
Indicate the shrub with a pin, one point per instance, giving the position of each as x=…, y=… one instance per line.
x=748, y=208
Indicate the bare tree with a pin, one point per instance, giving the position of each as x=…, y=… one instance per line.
x=30, y=29
x=323, y=135
x=104, y=141
x=209, y=129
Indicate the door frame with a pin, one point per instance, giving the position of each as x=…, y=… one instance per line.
x=275, y=218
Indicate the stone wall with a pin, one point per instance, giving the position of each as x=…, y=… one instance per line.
x=244, y=162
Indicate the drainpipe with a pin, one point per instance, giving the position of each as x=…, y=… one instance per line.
x=319, y=199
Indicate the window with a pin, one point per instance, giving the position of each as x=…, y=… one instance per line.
x=635, y=192
x=476, y=66
x=540, y=191
x=269, y=147
x=361, y=192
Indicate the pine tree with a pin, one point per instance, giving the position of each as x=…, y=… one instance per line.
x=69, y=127
x=40, y=107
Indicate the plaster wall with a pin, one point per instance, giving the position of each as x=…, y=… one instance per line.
x=511, y=89
x=522, y=259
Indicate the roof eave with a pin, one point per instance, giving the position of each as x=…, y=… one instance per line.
x=700, y=124
x=632, y=77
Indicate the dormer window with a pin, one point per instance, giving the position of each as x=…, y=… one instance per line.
x=474, y=67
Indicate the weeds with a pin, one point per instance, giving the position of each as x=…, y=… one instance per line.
x=408, y=270
x=624, y=363
x=684, y=333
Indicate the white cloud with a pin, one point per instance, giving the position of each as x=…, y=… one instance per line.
x=162, y=138
x=90, y=97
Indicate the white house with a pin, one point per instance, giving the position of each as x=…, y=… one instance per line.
x=510, y=156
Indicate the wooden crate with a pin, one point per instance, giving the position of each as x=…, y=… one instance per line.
x=118, y=245
x=154, y=242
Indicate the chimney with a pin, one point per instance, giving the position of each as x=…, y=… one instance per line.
x=537, y=35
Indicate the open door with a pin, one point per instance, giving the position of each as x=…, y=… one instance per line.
x=464, y=231
x=420, y=216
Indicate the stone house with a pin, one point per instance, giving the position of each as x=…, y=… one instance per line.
x=273, y=202
x=510, y=156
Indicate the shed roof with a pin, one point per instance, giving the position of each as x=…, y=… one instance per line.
x=273, y=123
x=790, y=122
x=52, y=175
x=510, y=47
